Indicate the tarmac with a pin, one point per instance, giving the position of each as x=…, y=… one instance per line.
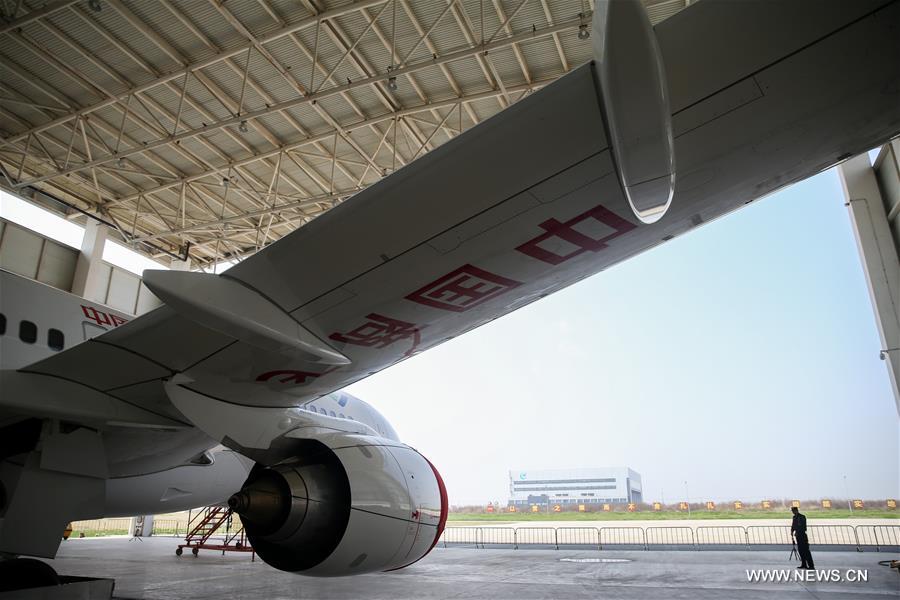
x=149, y=569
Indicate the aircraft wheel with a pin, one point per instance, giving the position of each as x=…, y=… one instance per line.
x=178, y=551
x=195, y=551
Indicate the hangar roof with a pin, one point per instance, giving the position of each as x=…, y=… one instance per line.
x=227, y=124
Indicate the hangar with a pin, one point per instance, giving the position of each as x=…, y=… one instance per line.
x=207, y=130
x=201, y=133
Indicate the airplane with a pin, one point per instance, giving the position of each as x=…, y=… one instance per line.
x=231, y=391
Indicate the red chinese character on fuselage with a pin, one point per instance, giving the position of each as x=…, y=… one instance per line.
x=97, y=316
x=101, y=318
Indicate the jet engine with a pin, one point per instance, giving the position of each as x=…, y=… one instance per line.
x=343, y=504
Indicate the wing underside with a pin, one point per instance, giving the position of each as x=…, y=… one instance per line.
x=527, y=203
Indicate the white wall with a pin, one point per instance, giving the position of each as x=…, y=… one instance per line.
x=35, y=256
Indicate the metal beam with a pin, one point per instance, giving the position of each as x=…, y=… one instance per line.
x=307, y=168
x=34, y=15
x=234, y=121
x=326, y=136
x=302, y=203
x=179, y=73
x=878, y=254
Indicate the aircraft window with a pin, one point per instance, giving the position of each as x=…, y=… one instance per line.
x=331, y=412
x=323, y=411
x=27, y=332
x=341, y=415
x=55, y=339
x=2, y=323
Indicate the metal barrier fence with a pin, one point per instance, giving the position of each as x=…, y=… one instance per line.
x=101, y=527
x=880, y=538
x=769, y=535
x=670, y=536
x=721, y=535
x=833, y=535
x=465, y=536
x=497, y=536
x=172, y=527
x=578, y=537
x=623, y=537
x=536, y=536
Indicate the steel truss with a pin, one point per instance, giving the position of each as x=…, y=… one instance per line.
x=232, y=139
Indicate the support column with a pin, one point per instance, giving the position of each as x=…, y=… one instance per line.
x=87, y=282
x=180, y=265
x=878, y=252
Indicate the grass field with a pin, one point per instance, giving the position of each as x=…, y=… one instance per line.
x=520, y=517
x=76, y=533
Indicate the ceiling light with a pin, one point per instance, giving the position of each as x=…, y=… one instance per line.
x=225, y=181
x=120, y=163
x=392, y=84
x=95, y=5
x=583, y=32
x=243, y=127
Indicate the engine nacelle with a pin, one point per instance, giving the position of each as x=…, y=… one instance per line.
x=346, y=504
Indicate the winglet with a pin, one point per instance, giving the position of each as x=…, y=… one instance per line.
x=225, y=305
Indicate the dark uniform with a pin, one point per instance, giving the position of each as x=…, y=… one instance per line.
x=798, y=530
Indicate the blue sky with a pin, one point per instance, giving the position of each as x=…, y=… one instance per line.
x=741, y=358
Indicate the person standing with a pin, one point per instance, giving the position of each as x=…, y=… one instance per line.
x=798, y=530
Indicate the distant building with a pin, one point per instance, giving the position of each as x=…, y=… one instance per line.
x=605, y=485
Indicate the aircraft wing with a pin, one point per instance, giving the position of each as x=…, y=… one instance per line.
x=534, y=199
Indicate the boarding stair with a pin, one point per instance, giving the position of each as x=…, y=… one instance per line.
x=209, y=521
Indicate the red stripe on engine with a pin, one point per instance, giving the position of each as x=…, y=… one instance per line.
x=445, y=505
x=442, y=522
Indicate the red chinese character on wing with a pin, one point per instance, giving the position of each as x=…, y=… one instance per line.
x=562, y=241
x=379, y=332
x=288, y=376
x=462, y=289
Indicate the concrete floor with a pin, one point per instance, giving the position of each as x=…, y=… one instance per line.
x=150, y=570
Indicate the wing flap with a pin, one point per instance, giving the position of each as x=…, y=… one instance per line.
x=151, y=336
x=100, y=365
x=40, y=395
x=223, y=304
